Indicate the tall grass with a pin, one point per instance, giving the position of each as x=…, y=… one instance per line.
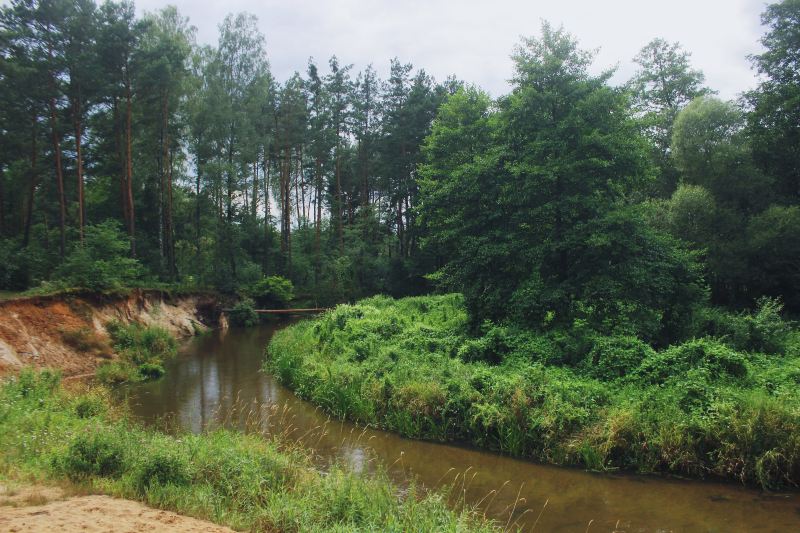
x=411, y=366
x=242, y=481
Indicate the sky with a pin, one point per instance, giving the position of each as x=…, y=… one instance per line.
x=474, y=39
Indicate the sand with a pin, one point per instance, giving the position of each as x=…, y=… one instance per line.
x=34, y=509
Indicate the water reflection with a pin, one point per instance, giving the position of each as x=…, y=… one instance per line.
x=216, y=380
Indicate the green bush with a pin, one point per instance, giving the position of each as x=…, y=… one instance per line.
x=151, y=370
x=101, y=261
x=763, y=330
x=615, y=357
x=272, y=292
x=161, y=467
x=142, y=352
x=95, y=453
x=243, y=314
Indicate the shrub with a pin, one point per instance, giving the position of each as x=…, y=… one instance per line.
x=90, y=405
x=95, y=453
x=763, y=330
x=142, y=350
x=161, y=468
x=243, y=314
x=719, y=360
x=101, y=261
x=272, y=292
x=151, y=370
x=614, y=357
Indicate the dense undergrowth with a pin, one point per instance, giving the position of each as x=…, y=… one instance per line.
x=230, y=478
x=726, y=403
x=142, y=352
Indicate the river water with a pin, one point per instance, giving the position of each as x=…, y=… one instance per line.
x=217, y=380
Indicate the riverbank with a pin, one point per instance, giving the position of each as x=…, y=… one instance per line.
x=699, y=409
x=241, y=481
x=69, y=331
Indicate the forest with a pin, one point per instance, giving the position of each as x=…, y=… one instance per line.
x=131, y=155
x=616, y=264
x=582, y=271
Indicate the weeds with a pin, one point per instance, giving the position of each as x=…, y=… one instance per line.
x=142, y=352
x=710, y=406
x=239, y=480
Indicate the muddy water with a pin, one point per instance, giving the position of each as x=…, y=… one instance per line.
x=216, y=380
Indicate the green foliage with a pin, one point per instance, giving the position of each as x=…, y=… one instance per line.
x=242, y=481
x=95, y=453
x=568, y=396
x=763, y=330
x=243, y=314
x=101, y=261
x=775, y=104
x=161, y=468
x=544, y=177
x=272, y=292
x=142, y=352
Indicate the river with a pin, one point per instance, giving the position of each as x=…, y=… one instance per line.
x=217, y=380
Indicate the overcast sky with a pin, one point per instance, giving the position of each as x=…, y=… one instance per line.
x=473, y=39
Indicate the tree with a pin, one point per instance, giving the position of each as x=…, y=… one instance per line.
x=774, y=119
x=549, y=190
x=339, y=87
x=664, y=84
x=162, y=59
x=710, y=148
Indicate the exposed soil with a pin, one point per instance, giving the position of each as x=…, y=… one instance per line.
x=34, y=509
x=67, y=332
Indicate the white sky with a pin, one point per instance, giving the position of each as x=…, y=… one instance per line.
x=473, y=39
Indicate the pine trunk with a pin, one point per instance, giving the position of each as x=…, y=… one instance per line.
x=77, y=122
x=129, y=166
x=62, y=200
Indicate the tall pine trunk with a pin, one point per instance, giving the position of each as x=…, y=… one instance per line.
x=62, y=200
x=33, y=183
x=78, y=126
x=129, y=165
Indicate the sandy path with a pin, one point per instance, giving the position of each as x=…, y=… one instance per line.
x=32, y=509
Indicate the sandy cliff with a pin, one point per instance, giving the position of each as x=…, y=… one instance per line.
x=68, y=331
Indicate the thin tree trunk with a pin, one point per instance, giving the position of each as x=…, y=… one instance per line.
x=34, y=180
x=129, y=164
x=254, y=208
x=197, y=215
x=2, y=205
x=339, y=200
x=170, y=230
x=298, y=205
x=119, y=144
x=76, y=117
x=265, y=265
x=62, y=201
x=400, y=232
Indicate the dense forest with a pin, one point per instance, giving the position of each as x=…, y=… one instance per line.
x=580, y=271
x=131, y=155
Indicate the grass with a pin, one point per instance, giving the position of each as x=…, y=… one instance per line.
x=230, y=478
x=142, y=352
x=706, y=407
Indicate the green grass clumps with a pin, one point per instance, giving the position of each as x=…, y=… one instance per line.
x=142, y=352
x=712, y=406
x=242, y=481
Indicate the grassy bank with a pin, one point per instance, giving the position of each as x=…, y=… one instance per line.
x=700, y=408
x=142, y=351
x=230, y=478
